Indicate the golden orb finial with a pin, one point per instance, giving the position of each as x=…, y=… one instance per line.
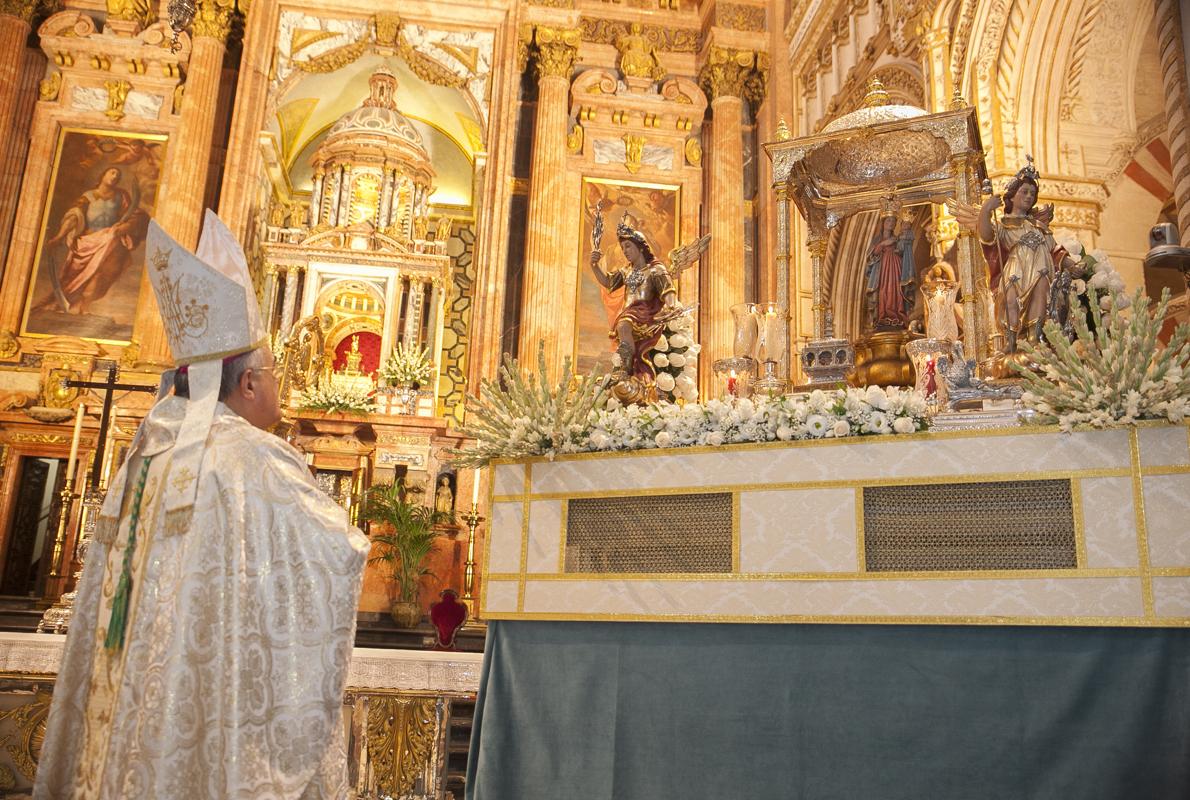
x=783, y=134
x=957, y=101
x=877, y=95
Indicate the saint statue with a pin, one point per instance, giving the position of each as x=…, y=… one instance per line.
x=1021, y=253
x=215, y=616
x=444, y=498
x=636, y=55
x=939, y=290
x=890, y=273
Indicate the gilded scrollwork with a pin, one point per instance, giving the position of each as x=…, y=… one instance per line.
x=556, y=50
x=693, y=150
x=740, y=17
x=574, y=139
x=9, y=344
x=663, y=39
x=29, y=719
x=400, y=740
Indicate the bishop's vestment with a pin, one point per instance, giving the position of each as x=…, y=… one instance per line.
x=238, y=634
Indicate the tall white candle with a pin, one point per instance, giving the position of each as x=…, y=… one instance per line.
x=475, y=490
x=74, y=441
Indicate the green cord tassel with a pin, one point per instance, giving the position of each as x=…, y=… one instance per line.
x=119, y=620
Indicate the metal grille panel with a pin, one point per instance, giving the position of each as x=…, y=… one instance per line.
x=1002, y=525
x=664, y=533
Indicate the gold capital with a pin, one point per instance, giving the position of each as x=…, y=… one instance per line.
x=557, y=50
x=734, y=73
x=21, y=9
x=213, y=19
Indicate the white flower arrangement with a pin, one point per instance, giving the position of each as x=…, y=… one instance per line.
x=675, y=357
x=817, y=415
x=1114, y=375
x=407, y=364
x=331, y=398
x=1095, y=271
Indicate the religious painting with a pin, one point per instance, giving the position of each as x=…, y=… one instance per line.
x=654, y=209
x=91, y=249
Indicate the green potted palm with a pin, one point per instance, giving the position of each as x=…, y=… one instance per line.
x=404, y=535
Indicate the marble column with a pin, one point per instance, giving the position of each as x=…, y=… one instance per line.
x=724, y=77
x=14, y=145
x=541, y=304
x=242, y=169
x=1177, y=105
x=188, y=156
x=289, y=306
x=14, y=31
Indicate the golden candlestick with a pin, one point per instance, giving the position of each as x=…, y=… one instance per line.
x=472, y=518
x=65, y=503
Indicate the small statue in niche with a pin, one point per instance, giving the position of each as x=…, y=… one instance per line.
x=444, y=496
x=890, y=273
x=939, y=290
x=442, y=230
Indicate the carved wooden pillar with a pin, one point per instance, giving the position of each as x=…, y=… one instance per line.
x=243, y=165
x=1171, y=46
x=725, y=78
x=544, y=254
x=180, y=209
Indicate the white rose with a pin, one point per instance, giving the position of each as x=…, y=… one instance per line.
x=1099, y=280
x=1123, y=301
x=715, y=438
x=664, y=439
x=784, y=433
x=1115, y=283
x=841, y=428
x=1100, y=256
x=677, y=359
x=685, y=381
x=694, y=349
x=816, y=424
x=678, y=341
x=661, y=360
x=665, y=382
x=876, y=397
x=689, y=369
x=903, y=425
x=662, y=345
x=1079, y=286
x=1105, y=303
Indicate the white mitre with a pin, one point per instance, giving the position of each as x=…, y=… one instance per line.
x=210, y=313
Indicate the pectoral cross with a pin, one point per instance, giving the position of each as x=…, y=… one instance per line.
x=109, y=386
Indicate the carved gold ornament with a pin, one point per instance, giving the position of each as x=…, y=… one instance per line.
x=663, y=38
x=117, y=94
x=48, y=89
x=30, y=721
x=637, y=59
x=138, y=11
x=21, y=9
x=693, y=150
x=634, y=148
x=400, y=739
x=54, y=392
x=387, y=27
x=213, y=19
x=734, y=73
x=574, y=139
x=179, y=94
x=9, y=345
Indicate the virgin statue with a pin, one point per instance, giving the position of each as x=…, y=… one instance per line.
x=939, y=290
x=444, y=498
x=890, y=273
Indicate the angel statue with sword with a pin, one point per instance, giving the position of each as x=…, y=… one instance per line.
x=650, y=301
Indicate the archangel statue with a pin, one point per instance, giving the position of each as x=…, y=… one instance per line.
x=650, y=302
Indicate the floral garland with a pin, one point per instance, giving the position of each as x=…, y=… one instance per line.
x=817, y=415
x=675, y=357
x=1112, y=375
x=407, y=364
x=331, y=398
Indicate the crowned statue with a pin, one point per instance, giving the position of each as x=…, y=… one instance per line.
x=650, y=303
x=890, y=273
x=1023, y=258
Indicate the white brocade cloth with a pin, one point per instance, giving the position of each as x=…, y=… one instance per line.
x=238, y=639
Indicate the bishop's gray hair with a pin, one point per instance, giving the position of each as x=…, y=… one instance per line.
x=234, y=368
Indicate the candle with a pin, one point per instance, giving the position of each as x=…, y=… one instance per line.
x=731, y=384
x=109, y=447
x=475, y=491
x=74, y=442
